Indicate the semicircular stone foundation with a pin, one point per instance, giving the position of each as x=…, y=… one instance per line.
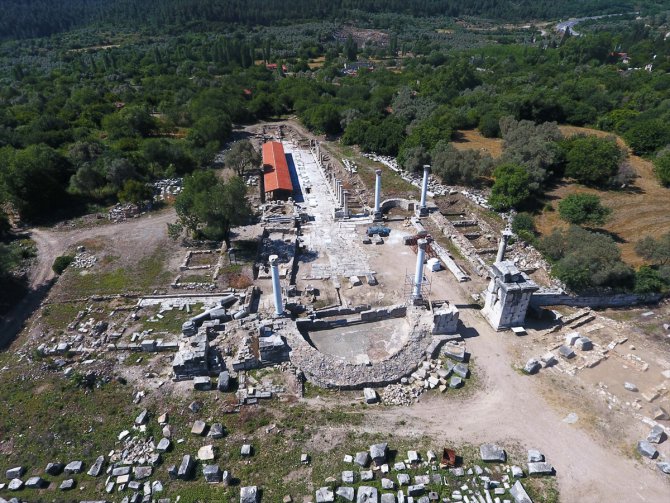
x=329, y=371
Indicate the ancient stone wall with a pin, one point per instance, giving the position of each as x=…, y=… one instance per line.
x=330, y=371
x=552, y=298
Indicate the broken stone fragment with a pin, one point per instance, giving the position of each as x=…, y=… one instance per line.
x=163, y=445
x=403, y=479
x=96, y=468
x=346, y=493
x=566, y=352
x=185, y=468
x=540, y=468
x=532, y=366
x=206, y=453
x=66, y=485
x=461, y=370
x=378, y=453
x=249, y=494
x=15, y=485
x=630, y=386
x=370, y=396
x=199, y=428
x=535, y=456
x=212, y=474
x=647, y=450
x=54, y=468
x=367, y=494
x=660, y=414
x=519, y=493
x=664, y=467
x=74, y=467
x=142, y=472
x=163, y=419
x=246, y=450
x=347, y=477
x=455, y=382
x=324, y=495
x=517, y=472
x=36, y=483
x=362, y=459
x=492, y=453
x=656, y=435
x=216, y=431
x=142, y=418
x=367, y=475
x=15, y=473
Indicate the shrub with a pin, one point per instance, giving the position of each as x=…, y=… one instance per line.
x=662, y=166
x=61, y=263
x=523, y=222
x=582, y=209
x=511, y=187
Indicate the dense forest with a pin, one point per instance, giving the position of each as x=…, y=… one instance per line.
x=37, y=18
x=88, y=116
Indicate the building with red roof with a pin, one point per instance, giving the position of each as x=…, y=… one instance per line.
x=276, y=175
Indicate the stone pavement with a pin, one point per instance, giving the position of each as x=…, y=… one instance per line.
x=337, y=243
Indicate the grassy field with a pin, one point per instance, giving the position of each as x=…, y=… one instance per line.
x=51, y=418
x=642, y=209
x=142, y=277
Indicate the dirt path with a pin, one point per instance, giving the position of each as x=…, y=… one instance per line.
x=52, y=243
x=510, y=408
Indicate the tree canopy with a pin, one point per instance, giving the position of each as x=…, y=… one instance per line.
x=511, y=187
x=581, y=209
x=592, y=160
x=209, y=207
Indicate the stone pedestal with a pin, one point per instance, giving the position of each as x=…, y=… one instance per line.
x=507, y=296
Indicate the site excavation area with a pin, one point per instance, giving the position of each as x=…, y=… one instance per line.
x=369, y=335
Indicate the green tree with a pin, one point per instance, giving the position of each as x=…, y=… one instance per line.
x=209, y=207
x=647, y=136
x=533, y=146
x=34, y=179
x=461, y=167
x=511, y=187
x=61, y=263
x=350, y=48
x=586, y=260
x=662, y=166
x=243, y=156
x=648, y=280
x=591, y=160
x=210, y=129
x=129, y=122
x=134, y=191
x=414, y=158
x=580, y=209
x=656, y=251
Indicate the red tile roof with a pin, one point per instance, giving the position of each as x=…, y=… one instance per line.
x=277, y=176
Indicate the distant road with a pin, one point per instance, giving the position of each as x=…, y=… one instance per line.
x=571, y=23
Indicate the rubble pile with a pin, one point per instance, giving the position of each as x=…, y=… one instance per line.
x=401, y=394
x=169, y=187
x=122, y=212
x=84, y=260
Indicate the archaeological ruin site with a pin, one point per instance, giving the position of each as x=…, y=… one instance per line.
x=371, y=336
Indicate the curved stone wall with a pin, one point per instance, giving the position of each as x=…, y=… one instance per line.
x=329, y=371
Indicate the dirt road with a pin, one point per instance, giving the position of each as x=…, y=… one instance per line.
x=510, y=407
x=52, y=243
